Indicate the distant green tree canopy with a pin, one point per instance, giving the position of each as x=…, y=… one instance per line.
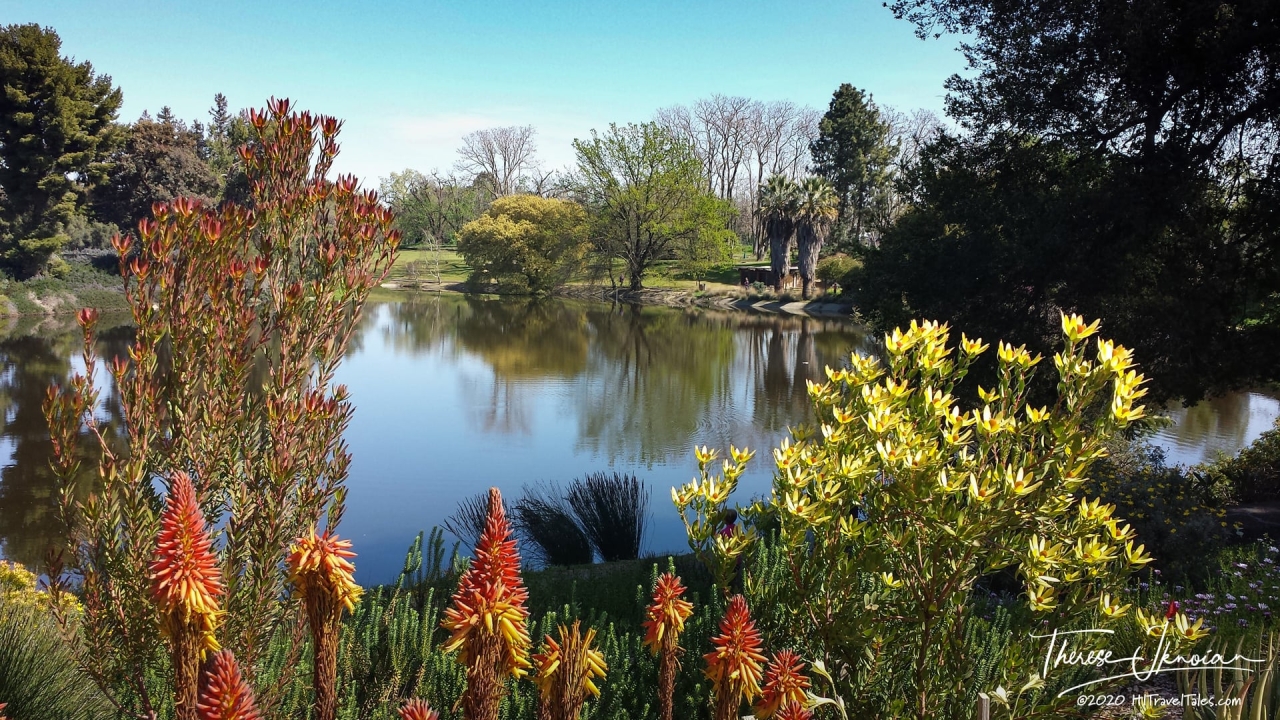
x=57, y=125
x=162, y=159
x=534, y=242
x=1120, y=160
x=431, y=209
x=645, y=189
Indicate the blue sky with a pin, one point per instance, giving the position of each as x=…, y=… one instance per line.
x=411, y=78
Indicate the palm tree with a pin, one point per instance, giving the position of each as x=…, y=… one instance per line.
x=816, y=208
x=777, y=207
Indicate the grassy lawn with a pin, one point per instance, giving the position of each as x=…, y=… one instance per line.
x=419, y=265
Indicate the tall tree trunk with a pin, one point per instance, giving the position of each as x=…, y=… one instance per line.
x=780, y=240
x=810, y=241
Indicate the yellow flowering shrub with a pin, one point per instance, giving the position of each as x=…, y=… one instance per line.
x=18, y=588
x=901, y=495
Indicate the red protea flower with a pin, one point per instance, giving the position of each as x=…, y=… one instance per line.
x=667, y=614
x=566, y=673
x=417, y=709
x=224, y=694
x=321, y=570
x=186, y=585
x=666, y=618
x=488, y=615
x=793, y=711
x=784, y=683
x=734, y=667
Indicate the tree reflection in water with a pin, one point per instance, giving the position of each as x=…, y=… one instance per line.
x=454, y=393
x=34, y=354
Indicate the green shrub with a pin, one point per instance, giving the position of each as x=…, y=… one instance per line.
x=38, y=675
x=837, y=269
x=1254, y=474
x=1174, y=512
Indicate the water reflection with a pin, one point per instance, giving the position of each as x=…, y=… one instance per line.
x=1221, y=425
x=457, y=393
x=34, y=353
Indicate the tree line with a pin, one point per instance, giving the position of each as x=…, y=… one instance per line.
x=1117, y=160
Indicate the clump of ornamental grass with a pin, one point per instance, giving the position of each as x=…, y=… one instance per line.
x=468, y=520
x=735, y=667
x=664, y=621
x=39, y=678
x=566, y=671
x=613, y=510
x=545, y=521
x=322, y=573
x=784, y=684
x=417, y=709
x=185, y=586
x=224, y=694
x=487, y=619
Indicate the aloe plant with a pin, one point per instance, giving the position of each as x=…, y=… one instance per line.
x=1241, y=689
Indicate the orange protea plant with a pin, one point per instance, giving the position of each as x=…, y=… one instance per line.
x=735, y=667
x=417, y=709
x=242, y=312
x=224, y=694
x=487, y=618
x=566, y=672
x=665, y=621
x=784, y=683
x=186, y=585
x=321, y=570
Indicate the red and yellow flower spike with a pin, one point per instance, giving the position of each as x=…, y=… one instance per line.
x=667, y=614
x=565, y=673
x=2, y=707
x=488, y=617
x=185, y=586
x=322, y=563
x=224, y=694
x=735, y=666
x=784, y=684
x=794, y=711
x=417, y=709
x=322, y=574
x=185, y=580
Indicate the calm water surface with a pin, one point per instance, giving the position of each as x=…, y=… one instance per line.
x=454, y=394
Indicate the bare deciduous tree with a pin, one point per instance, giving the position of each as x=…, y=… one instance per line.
x=499, y=155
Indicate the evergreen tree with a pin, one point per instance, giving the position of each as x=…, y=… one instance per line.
x=853, y=152
x=56, y=128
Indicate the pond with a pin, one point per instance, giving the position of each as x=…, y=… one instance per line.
x=454, y=394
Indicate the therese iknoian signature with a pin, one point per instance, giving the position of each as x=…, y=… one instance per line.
x=1062, y=651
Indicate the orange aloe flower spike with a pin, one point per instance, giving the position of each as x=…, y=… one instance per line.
x=784, y=683
x=224, y=694
x=491, y=597
x=322, y=563
x=667, y=614
x=417, y=709
x=736, y=665
x=793, y=711
x=185, y=581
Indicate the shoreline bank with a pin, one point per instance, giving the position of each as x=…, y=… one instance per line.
x=822, y=307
